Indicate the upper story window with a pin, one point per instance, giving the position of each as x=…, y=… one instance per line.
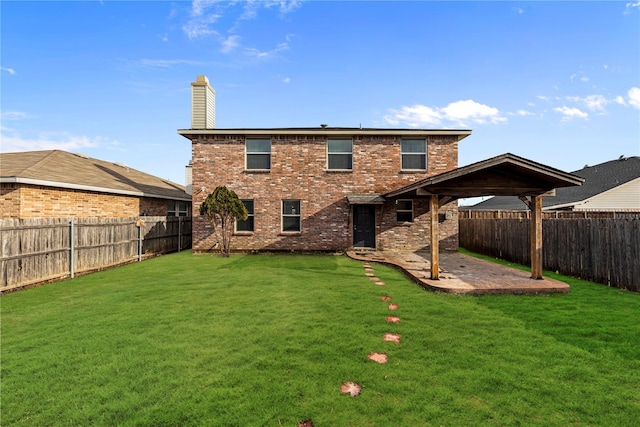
x=247, y=224
x=340, y=154
x=177, y=208
x=414, y=154
x=404, y=210
x=258, y=153
x=291, y=216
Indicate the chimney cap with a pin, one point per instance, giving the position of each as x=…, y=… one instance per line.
x=323, y=125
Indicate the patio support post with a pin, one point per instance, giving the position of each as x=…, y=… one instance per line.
x=435, y=249
x=536, y=237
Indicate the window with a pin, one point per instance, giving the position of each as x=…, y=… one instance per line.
x=258, y=153
x=340, y=154
x=247, y=224
x=177, y=208
x=414, y=154
x=291, y=216
x=404, y=210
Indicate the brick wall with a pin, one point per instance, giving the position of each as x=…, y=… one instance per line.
x=298, y=171
x=31, y=201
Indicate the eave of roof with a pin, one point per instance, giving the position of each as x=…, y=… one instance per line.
x=44, y=183
x=326, y=131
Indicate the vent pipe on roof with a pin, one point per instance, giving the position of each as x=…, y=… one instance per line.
x=203, y=104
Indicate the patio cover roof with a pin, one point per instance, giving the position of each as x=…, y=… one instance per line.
x=504, y=175
x=365, y=199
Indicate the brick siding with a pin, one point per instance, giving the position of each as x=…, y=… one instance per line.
x=32, y=201
x=298, y=171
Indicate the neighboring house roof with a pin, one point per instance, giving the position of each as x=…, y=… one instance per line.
x=56, y=168
x=598, y=179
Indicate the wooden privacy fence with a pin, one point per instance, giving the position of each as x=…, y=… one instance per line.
x=600, y=250
x=41, y=250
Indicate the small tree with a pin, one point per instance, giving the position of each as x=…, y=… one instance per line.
x=223, y=208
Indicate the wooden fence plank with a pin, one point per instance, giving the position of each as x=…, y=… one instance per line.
x=38, y=250
x=602, y=250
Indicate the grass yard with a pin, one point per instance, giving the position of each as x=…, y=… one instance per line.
x=268, y=340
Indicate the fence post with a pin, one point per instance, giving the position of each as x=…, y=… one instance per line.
x=179, y=233
x=139, y=224
x=71, y=250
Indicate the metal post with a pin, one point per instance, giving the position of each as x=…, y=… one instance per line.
x=71, y=250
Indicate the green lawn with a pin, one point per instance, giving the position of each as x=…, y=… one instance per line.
x=267, y=340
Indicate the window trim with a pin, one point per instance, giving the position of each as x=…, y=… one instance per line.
x=339, y=153
x=248, y=153
x=405, y=210
x=173, y=208
x=298, y=215
x=402, y=154
x=251, y=215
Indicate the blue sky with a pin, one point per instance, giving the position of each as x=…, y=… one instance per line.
x=555, y=82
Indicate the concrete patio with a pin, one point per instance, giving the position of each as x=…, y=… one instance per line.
x=462, y=274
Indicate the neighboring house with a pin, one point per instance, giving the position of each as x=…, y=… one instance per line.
x=55, y=184
x=608, y=186
x=319, y=189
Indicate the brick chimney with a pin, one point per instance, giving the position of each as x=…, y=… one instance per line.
x=203, y=104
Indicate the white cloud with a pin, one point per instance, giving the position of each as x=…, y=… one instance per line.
x=620, y=100
x=230, y=44
x=569, y=113
x=205, y=18
x=414, y=116
x=522, y=113
x=52, y=141
x=592, y=102
x=628, y=7
x=634, y=97
x=460, y=113
x=470, y=111
x=286, y=80
x=262, y=54
x=8, y=70
x=14, y=115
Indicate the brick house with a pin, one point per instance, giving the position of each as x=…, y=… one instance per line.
x=58, y=184
x=319, y=189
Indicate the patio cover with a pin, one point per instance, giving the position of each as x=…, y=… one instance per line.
x=504, y=175
x=365, y=199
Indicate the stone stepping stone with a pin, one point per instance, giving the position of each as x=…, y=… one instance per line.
x=369, y=274
x=392, y=338
x=393, y=319
x=385, y=298
x=351, y=388
x=380, y=283
x=374, y=278
x=393, y=306
x=377, y=357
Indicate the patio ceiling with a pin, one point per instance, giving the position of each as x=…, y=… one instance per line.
x=504, y=175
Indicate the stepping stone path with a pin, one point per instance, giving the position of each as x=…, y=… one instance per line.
x=354, y=389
